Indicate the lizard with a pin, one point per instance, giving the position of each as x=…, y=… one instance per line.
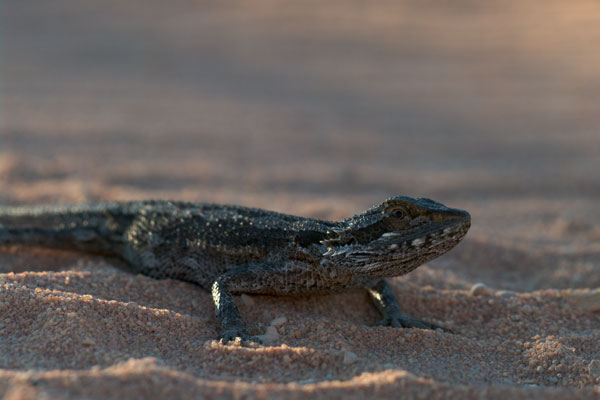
x=231, y=250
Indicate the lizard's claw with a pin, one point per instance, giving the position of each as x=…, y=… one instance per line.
x=241, y=334
x=407, y=322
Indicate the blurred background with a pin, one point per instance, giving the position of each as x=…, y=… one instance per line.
x=321, y=109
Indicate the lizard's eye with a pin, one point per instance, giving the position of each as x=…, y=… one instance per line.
x=397, y=214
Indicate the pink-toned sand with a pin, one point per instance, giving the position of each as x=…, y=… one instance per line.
x=319, y=109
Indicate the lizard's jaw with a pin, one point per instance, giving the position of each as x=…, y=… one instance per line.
x=397, y=253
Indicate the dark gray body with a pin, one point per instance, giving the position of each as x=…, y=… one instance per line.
x=233, y=249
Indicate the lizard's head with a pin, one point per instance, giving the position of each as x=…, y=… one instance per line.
x=396, y=236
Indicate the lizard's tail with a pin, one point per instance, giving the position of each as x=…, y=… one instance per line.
x=95, y=228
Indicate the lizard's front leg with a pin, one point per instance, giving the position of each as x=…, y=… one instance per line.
x=227, y=312
x=254, y=278
x=382, y=295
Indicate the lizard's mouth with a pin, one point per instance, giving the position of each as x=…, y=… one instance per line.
x=398, y=252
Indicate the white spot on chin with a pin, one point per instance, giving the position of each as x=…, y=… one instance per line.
x=418, y=242
x=393, y=246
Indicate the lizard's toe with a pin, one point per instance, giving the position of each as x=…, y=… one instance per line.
x=240, y=336
x=252, y=341
x=417, y=323
x=393, y=322
x=233, y=335
x=406, y=322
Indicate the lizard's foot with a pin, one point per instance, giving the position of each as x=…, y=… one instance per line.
x=402, y=321
x=231, y=335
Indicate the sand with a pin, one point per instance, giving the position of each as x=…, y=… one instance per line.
x=319, y=109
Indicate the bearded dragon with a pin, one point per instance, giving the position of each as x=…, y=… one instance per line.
x=231, y=250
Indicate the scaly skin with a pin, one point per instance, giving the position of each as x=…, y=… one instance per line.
x=233, y=250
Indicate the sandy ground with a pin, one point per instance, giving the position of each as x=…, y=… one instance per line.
x=320, y=109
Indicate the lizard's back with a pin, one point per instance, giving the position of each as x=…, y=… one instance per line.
x=197, y=242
